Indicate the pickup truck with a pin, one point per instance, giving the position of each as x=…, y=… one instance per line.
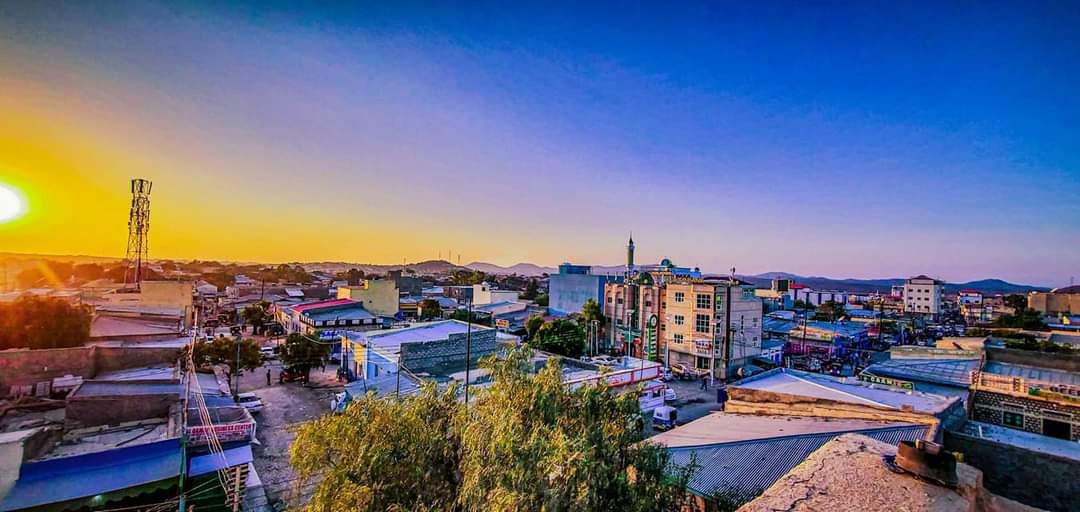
x=683, y=372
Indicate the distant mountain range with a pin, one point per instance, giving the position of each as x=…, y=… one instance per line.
x=15, y=261
x=989, y=286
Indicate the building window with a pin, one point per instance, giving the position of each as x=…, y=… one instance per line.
x=1012, y=419
x=679, y=296
x=702, y=363
x=648, y=303
x=701, y=323
x=754, y=322
x=677, y=338
x=704, y=301
x=618, y=300
x=679, y=320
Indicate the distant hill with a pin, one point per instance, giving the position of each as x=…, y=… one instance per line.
x=423, y=267
x=521, y=269
x=987, y=286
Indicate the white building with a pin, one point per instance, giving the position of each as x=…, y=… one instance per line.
x=923, y=295
x=485, y=293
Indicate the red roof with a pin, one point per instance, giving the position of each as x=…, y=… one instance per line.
x=970, y=291
x=797, y=286
x=300, y=308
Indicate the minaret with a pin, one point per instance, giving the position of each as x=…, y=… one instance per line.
x=630, y=255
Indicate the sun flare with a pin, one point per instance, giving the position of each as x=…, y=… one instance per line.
x=11, y=203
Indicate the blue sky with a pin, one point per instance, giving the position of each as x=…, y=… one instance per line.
x=852, y=141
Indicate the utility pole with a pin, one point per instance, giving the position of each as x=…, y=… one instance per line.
x=468, y=349
x=236, y=369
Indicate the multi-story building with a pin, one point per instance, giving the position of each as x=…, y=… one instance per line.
x=711, y=324
x=379, y=296
x=574, y=285
x=486, y=293
x=924, y=296
x=969, y=297
x=1059, y=301
x=628, y=308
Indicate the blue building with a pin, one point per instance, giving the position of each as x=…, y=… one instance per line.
x=573, y=286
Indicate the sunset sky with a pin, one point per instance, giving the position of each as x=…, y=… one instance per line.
x=867, y=143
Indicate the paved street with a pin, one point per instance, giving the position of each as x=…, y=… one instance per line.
x=692, y=403
x=286, y=406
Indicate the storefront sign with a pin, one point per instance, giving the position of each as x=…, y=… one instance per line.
x=896, y=383
x=226, y=433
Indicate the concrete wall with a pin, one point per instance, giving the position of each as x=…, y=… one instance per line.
x=437, y=356
x=110, y=410
x=27, y=367
x=1056, y=361
x=1037, y=479
x=754, y=401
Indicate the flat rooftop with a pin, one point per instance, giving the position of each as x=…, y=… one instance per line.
x=416, y=333
x=99, y=439
x=849, y=390
x=92, y=388
x=1022, y=439
x=948, y=372
x=1033, y=374
x=719, y=427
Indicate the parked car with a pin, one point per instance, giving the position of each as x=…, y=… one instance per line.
x=682, y=372
x=670, y=395
x=250, y=401
x=666, y=375
x=275, y=329
x=290, y=375
x=664, y=417
x=268, y=353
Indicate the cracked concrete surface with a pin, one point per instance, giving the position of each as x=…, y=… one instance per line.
x=847, y=474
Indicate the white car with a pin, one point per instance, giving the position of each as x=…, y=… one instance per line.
x=670, y=395
x=250, y=401
x=268, y=352
x=665, y=374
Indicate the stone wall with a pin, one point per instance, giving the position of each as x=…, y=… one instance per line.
x=432, y=356
x=1037, y=479
x=989, y=407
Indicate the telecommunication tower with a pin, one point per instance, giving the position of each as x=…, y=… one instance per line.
x=138, y=245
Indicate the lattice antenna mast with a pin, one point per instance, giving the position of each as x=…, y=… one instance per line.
x=138, y=245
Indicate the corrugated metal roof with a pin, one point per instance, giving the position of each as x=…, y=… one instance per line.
x=1031, y=373
x=949, y=372
x=745, y=469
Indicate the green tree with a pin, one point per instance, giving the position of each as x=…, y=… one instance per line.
x=532, y=325
x=430, y=308
x=591, y=312
x=526, y=442
x=531, y=290
x=830, y=311
x=799, y=304
x=43, y=322
x=354, y=276
x=304, y=352
x=257, y=315
x=563, y=337
x=476, y=318
x=1016, y=301
x=222, y=352
x=542, y=300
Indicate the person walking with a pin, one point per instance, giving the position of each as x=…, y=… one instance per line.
x=268, y=377
x=721, y=396
x=704, y=384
